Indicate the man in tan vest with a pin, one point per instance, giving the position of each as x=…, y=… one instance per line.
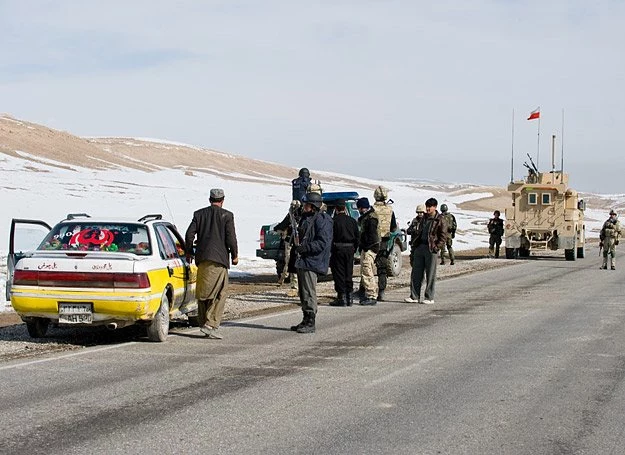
x=386, y=224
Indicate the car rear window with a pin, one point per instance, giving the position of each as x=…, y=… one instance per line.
x=86, y=236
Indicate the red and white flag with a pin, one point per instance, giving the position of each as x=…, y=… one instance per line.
x=534, y=114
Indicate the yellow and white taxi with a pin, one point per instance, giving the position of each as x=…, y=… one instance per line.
x=88, y=272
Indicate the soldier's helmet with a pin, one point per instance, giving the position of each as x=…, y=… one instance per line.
x=420, y=208
x=380, y=194
x=313, y=199
x=612, y=212
x=314, y=188
x=496, y=213
x=304, y=172
x=444, y=208
x=295, y=204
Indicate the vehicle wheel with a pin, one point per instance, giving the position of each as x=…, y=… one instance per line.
x=395, y=258
x=569, y=254
x=159, y=327
x=581, y=252
x=511, y=253
x=37, y=327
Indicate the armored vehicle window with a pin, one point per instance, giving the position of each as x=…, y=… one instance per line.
x=532, y=198
x=546, y=198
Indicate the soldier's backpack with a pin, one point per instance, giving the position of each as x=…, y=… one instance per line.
x=451, y=224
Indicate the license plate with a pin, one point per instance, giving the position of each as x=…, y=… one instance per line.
x=75, y=313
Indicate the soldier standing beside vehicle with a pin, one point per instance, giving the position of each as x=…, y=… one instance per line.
x=289, y=241
x=344, y=245
x=368, y=244
x=216, y=243
x=450, y=221
x=300, y=184
x=386, y=224
x=313, y=258
x=495, y=229
x=609, y=238
x=430, y=236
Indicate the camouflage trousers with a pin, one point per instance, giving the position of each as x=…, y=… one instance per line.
x=452, y=255
x=367, y=275
x=609, y=249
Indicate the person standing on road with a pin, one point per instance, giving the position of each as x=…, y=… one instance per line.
x=386, y=224
x=430, y=236
x=495, y=229
x=313, y=258
x=368, y=244
x=450, y=222
x=609, y=238
x=289, y=241
x=344, y=244
x=216, y=244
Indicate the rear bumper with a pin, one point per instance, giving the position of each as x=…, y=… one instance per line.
x=270, y=254
x=108, y=305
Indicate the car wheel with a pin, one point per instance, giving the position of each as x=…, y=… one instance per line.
x=395, y=259
x=159, y=327
x=37, y=327
x=569, y=254
x=581, y=253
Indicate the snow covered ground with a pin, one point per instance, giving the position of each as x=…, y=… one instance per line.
x=40, y=190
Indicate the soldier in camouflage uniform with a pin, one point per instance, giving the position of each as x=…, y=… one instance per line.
x=496, y=231
x=386, y=224
x=450, y=222
x=609, y=238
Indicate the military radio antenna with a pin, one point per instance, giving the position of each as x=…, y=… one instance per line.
x=562, y=146
x=512, y=158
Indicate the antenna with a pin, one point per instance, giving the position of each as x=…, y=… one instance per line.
x=562, y=146
x=171, y=215
x=512, y=159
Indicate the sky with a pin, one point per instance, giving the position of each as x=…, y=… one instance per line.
x=43, y=190
x=380, y=89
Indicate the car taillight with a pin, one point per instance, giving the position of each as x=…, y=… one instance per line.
x=81, y=279
x=262, y=239
x=25, y=278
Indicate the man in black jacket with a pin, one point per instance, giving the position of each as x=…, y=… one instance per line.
x=216, y=244
x=344, y=244
x=369, y=245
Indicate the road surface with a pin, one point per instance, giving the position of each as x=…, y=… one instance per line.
x=527, y=359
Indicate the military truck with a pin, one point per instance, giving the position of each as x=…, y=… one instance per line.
x=546, y=214
x=272, y=246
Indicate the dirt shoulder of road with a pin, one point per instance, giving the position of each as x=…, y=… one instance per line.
x=248, y=296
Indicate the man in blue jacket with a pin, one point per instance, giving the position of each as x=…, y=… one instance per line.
x=315, y=233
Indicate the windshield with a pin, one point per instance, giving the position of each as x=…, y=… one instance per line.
x=86, y=236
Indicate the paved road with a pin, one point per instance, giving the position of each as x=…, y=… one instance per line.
x=527, y=359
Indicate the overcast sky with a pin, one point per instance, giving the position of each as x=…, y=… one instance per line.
x=382, y=89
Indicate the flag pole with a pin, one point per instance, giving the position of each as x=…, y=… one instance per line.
x=538, y=146
x=512, y=158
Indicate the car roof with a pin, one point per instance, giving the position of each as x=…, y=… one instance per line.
x=78, y=217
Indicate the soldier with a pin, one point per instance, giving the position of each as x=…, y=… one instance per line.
x=386, y=224
x=495, y=229
x=344, y=244
x=450, y=221
x=288, y=226
x=313, y=258
x=369, y=245
x=609, y=237
x=300, y=184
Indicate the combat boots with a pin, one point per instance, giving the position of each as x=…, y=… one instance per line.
x=380, y=295
x=309, y=326
x=296, y=328
x=349, y=299
x=339, y=301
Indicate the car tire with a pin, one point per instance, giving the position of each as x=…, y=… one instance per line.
x=37, y=327
x=395, y=259
x=159, y=327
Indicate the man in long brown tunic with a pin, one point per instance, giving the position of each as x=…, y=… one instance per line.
x=216, y=244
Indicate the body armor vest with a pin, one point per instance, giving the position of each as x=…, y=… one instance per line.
x=383, y=213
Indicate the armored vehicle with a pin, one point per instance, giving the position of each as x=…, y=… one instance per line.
x=545, y=215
